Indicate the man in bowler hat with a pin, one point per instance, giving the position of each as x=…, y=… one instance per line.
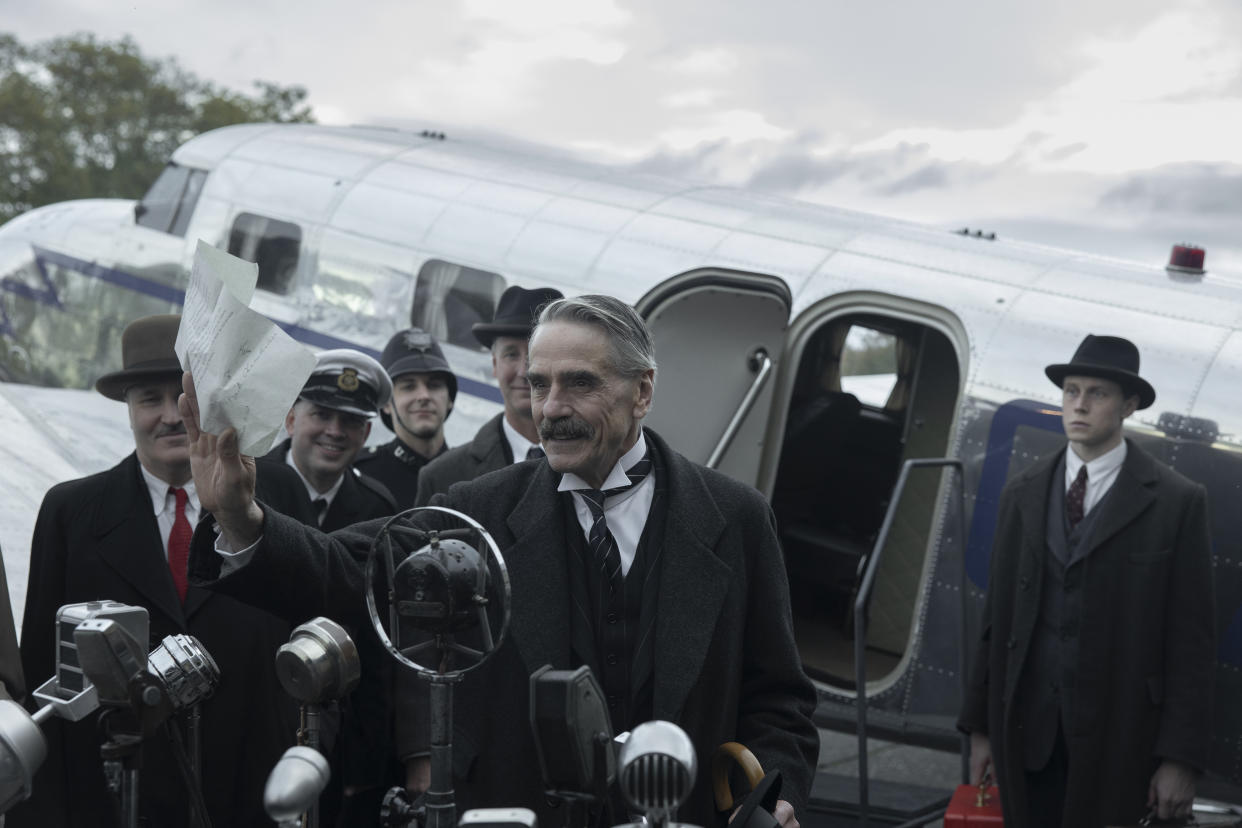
x=509, y=437
x=124, y=534
x=423, y=392
x=1093, y=672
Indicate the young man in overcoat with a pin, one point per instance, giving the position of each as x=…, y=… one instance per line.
x=1092, y=687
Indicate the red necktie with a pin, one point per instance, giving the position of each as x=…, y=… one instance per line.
x=179, y=543
x=1075, y=498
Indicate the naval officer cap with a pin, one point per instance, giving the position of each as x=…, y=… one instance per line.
x=348, y=380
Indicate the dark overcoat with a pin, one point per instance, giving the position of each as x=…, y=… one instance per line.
x=488, y=451
x=725, y=663
x=97, y=538
x=1145, y=668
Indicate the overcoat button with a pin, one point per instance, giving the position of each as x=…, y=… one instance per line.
x=1011, y=643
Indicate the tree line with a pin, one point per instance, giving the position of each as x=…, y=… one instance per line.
x=85, y=118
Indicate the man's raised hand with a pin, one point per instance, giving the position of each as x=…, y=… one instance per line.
x=223, y=476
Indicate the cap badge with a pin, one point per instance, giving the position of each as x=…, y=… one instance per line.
x=417, y=340
x=348, y=380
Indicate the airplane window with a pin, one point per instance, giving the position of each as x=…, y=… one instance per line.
x=189, y=198
x=450, y=298
x=158, y=206
x=869, y=365
x=270, y=243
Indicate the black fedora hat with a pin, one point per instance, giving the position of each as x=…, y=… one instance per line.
x=1107, y=357
x=147, y=355
x=515, y=313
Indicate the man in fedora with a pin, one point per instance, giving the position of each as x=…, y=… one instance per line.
x=423, y=392
x=1093, y=676
x=509, y=437
x=124, y=534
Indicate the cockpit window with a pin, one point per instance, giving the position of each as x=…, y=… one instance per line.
x=270, y=243
x=450, y=298
x=169, y=204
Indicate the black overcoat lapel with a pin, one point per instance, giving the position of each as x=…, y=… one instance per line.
x=540, y=583
x=1130, y=496
x=128, y=539
x=693, y=583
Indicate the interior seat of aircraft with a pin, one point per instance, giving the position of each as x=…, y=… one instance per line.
x=839, y=463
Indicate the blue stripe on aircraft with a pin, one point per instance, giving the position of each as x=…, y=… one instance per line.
x=167, y=293
x=1005, y=423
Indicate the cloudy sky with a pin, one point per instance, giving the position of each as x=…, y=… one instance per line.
x=1111, y=126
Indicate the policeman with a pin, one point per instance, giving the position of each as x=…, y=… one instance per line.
x=327, y=426
x=424, y=389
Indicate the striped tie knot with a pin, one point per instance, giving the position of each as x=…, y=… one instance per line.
x=600, y=542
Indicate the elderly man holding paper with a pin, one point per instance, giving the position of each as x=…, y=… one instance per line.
x=124, y=534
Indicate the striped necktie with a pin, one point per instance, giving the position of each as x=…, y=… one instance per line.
x=601, y=545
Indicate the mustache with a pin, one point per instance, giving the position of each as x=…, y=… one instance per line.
x=168, y=431
x=565, y=428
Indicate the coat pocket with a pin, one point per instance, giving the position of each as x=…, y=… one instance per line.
x=1155, y=689
x=1150, y=556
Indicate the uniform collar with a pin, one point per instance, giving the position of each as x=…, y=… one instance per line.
x=314, y=493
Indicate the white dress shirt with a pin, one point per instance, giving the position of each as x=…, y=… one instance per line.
x=1101, y=473
x=626, y=512
x=518, y=444
x=164, y=504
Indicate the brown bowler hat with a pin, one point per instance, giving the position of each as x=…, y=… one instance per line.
x=146, y=353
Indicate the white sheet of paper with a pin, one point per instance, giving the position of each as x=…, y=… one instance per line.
x=247, y=371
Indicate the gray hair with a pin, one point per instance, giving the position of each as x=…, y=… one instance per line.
x=632, y=348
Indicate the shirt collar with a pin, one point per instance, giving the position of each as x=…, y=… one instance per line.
x=617, y=478
x=518, y=444
x=158, y=490
x=314, y=493
x=1106, y=463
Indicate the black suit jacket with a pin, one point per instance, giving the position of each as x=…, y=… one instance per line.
x=725, y=665
x=97, y=538
x=1146, y=651
x=488, y=451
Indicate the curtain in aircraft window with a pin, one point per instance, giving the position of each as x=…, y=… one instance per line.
x=159, y=205
x=450, y=298
x=270, y=243
x=869, y=365
x=189, y=199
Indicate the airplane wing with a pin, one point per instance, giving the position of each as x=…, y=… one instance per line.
x=50, y=435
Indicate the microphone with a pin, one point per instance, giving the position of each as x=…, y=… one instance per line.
x=658, y=765
x=294, y=784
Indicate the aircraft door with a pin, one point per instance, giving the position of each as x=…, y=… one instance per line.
x=718, y=338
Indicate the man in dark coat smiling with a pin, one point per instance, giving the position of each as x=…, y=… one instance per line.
x=1093, y=676
x=664, y=577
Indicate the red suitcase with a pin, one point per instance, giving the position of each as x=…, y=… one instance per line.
x=974, y=805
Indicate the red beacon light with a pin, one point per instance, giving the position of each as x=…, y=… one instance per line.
x=1186, y=259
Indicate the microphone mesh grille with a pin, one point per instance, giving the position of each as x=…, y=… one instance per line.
x=656, y=782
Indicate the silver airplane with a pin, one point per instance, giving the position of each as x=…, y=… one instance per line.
x=763, y=309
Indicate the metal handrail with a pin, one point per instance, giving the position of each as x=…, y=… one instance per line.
x=761, y=364
x=860, y=616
